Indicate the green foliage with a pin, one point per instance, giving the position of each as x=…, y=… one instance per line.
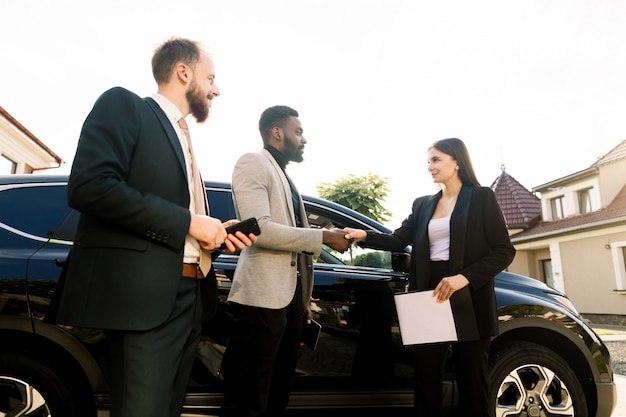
x=376, y=259
x=362, y=194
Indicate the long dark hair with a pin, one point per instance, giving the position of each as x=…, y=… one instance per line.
x=457, y=150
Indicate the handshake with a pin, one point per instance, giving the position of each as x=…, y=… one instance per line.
x=340, y=240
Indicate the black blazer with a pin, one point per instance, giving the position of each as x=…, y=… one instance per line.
x=129, y=182
x=479, y=247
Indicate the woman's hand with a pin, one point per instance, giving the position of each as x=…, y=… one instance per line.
x=448, y=286
x=357, y=235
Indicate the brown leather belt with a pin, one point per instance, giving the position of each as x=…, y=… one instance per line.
x=192, y=271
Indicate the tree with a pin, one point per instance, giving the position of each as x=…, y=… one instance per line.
x=376, y=259
x=361, y=194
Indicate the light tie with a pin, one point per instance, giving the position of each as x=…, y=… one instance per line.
x=199, y=194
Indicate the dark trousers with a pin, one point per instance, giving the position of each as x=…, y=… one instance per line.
x=150, y=370
x=260, y=361
x=470, y=368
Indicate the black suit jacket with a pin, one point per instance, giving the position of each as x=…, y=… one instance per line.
x=129, y=182
x=479, y=247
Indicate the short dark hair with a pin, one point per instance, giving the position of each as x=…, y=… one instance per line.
x=171, y=52
x=458, y=151
x=274, y=116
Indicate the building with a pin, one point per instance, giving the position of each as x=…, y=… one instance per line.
x=21, y=152
x=574, y=236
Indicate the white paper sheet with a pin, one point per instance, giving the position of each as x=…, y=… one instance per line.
x=423, y=320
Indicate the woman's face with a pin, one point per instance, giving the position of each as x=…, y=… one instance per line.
x=441, y=166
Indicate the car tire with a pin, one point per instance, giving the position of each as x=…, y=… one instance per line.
x=31, y=388
x=530, y=379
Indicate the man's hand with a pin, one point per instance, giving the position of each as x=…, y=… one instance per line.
x=209, y=231
x=449, y=286
x=238, y=241
x=308, y=314
x=336, y=240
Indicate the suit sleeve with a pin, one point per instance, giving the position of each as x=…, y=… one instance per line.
x=399, y=238
x=498, y=251
x=253, y=186
x=97, y=186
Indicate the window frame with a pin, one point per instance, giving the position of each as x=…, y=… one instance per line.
x=10, y=163
x=556, y=207
x=618, y=253
x=585, y=204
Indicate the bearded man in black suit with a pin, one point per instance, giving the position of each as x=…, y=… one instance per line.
x=144, y=241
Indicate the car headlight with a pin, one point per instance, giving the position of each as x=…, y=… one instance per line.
x=565, y=302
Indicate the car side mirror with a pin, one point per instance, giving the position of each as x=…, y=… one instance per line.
x=401, y=261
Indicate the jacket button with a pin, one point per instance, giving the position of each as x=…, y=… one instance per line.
x=293, y=263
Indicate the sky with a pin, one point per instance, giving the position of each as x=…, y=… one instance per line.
x=536, y=86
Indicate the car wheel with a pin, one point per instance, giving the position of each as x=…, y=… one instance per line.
x=528, y=379
x=30, y=388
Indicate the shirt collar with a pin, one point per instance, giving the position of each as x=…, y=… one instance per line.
x=278, y=156
x=171, y=111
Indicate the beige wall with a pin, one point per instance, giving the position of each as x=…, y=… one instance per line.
x=21, y=149
x=611, y=180
x=528, y=262
x=589, y=274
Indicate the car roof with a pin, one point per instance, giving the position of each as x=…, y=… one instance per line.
x=215, y=185
x=32, y=178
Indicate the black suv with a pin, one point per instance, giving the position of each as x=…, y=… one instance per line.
x=546, y=361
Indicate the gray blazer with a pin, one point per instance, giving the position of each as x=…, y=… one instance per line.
x=266, y=271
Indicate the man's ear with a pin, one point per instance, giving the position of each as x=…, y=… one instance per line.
x=277, y=133
x=183, y=72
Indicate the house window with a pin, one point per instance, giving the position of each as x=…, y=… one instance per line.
x=621, y=284
x=618, y=251
x=584, y=201
x=556, y=205
x=7, y=166
x=546, y=269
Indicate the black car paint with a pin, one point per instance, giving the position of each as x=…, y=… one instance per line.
x=360, y=362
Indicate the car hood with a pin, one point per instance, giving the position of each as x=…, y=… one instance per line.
x=510, y=279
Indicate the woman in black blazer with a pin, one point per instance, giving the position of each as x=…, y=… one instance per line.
x=459, y=239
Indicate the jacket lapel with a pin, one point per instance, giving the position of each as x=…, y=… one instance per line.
x=458, y=229
x=422, y=243
x=169, y=130
x=285, y=185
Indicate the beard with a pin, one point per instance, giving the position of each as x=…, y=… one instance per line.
x=292, y=151
x=198, y=103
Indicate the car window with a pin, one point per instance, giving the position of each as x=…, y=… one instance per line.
x=221, y=204
x=35, y=210
x=320, y=217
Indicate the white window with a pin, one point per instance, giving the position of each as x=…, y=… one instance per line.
x=556, y=206
x=7, y=166
x=546, y=266
x=584, y=201
x=618, y=251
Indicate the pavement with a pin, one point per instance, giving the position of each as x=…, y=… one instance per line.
x=615, y=334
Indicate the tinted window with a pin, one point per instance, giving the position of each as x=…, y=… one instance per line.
x=221, y=204
x=37, y=210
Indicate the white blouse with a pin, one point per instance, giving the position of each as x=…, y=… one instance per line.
x=439, y=237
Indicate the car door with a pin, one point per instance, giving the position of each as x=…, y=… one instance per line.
x=359, y=347
x=30, y=256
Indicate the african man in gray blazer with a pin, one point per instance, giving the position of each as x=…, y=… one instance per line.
x=271, y=290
